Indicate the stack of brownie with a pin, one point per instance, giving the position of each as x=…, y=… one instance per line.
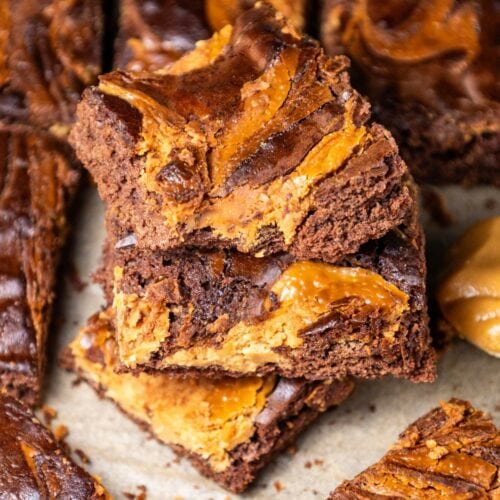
x=49, y=52
x=262, y=247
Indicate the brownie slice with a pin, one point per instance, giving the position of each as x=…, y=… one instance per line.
x=33, y=465
x=431, y=71
x=221, y=311
x=254, y=141
x=452, y=452
x=38, y=177
x=155, y=33
x=229, y=429
x=49, y=52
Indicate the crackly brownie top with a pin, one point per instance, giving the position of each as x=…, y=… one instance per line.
x=208, y=417
x=231, y=139
x=452, y=452
x=36, y=175
x=32, y=465
x=49, y=52
x=155, y=33
x=439, y=53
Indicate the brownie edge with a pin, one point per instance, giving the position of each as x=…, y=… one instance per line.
x=276, y=414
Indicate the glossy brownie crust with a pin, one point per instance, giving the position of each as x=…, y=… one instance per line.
x=452, y=452
x=288, y=410
x=39, y=175
x=32, y=465
x=439, y=94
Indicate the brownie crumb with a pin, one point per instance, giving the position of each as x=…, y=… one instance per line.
x=61, y=432
x=318, y=461
x=372, y=408
x=435, y=205
x=140, y=495
x=490, y=203
x=278, y=486
x=82, y=456
x=308, y=464
x=49, y=414
x=74, y=278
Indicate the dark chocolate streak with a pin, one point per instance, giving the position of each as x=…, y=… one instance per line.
x=53, y=474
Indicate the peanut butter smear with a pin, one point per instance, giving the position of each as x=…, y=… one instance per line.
x=304, y=292
x=469, y=294
x=209, y=417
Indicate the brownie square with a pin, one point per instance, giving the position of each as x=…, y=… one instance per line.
x=224, y=312
x=431, y=72
x=452, y=452
x=33, y=464
x=228, y=428
x=39, y=175
x=155, y=33
x=49, y=52
x=255, y=140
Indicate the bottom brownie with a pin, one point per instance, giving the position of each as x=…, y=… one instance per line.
x=228, y=428
x=32, y=464
x=452, y=452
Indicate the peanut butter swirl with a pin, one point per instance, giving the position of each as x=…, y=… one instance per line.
x=434, y=52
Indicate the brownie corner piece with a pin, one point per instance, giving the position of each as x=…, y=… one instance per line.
x=255, y=140
x=228, y=428
x=33, y=465
x=440, y=99
x=451, y=452
x=33, y=227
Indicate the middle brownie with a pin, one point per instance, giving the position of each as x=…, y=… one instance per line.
x=221, y=311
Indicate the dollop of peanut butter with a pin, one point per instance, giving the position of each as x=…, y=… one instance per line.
x=469, y=294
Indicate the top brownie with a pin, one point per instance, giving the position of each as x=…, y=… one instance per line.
x=255, y=141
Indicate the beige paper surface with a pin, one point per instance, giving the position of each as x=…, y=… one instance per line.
x=342, y=443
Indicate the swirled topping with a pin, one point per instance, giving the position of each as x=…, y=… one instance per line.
x=52, y=51
x=429, y=50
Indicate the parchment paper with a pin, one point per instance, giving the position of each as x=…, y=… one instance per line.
x=342, y=443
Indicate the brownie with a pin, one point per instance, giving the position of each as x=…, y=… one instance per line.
x=38, y=177
x=155, y=33
x=225, y=312
x=431, y=72
x=254, y=141
x=33, y=464
x=50, y=51
x=452, y=452
x=229, y=428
